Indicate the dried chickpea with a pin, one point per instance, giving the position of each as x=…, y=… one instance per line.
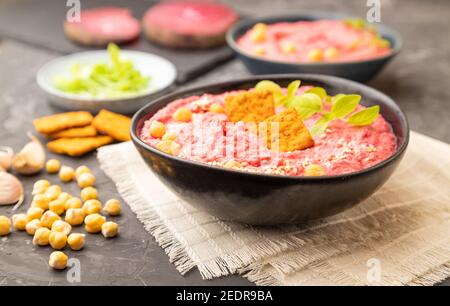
x=73, y=202
x=82, y=169
x=110, y=229
x=169, y=147
x=34, y=213
x=57, y=206
x=52, y=165
x=57, y=240
x=89, y=193
x=5, y=226
x=76, y=241
x=40, y=186
x=33, y=226
x=62, y=227
x=64, y=196
x=86, y=180
x=183, y=114
x=66, y=174
x=157, y=129
x=41, y=236
x=315, y=55
x=216, y=108
x=92, y=206
x=74, y=216
x=53, y=192
x=20, y=221
x=48, y=218
x=58, y=260
x=314, y=170
x=169, y=136
x=112, y=207
x=41, y=201
x=93, y=223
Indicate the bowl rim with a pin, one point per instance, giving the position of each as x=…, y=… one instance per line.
x=314, y=15
x=140, y=114
x=48, y=88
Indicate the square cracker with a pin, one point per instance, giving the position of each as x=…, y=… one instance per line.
x=85, y=131
x=78, y=146
x=251, y=106
x=292, y=133
x=112, y=124
x=54, y=123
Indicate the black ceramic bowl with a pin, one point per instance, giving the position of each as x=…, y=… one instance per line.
x=360, y=71
x=269, y=199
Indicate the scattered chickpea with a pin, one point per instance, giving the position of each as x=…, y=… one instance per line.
x=169, y=136
x=40, y=187
x=93, y=223
x=64, y=196
x=20, y=221
x=57, y=206
x=41, y=201
x=169, y=147
x=53, y=192
x=76, y=241
x=258, y=33
x=48, y=218
x=86, y=180
x=33, y=226
x=57, y=240
x=260, y=51
x=58, y=260
x=5, y=226
x=315, y=55
x=41, y=236
x=74, y=216
x=110, y=229
x=314, y=170
x=288, y=47
x=66, y=174
x=73, y=202
x=62, y=227
x=183, y=114
x=53, y=165
x=216, y=108
x=331, y=53
x=92, y=206
x=89, y=193
x=157, y=129
x=112, y=207
x=82, y=169
x=34, y=213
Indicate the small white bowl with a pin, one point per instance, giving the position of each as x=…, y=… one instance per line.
x=162, y=73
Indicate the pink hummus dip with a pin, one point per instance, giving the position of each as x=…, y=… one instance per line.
x=313, y=41
x=208, y=139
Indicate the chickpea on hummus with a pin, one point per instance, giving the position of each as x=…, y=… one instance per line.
x=295, y=131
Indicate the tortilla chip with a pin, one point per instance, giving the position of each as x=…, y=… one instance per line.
x=252, y=106
x=292, y=133
x=54, y=123
x=85, y=131
x=78, y=146
x=112, y=124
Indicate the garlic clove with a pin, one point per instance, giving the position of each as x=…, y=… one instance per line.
x=11, y=190
x=31, y=158
x=6, y=157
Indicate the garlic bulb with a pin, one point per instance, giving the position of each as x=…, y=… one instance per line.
x=11, y=190
x=31, y=158
x=6, y=156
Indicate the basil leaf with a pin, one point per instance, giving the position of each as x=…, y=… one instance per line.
x=321, y=125
x=321, y=92
x=344, y=105
x=364, y=117
x=307, y=105
x=270, y=86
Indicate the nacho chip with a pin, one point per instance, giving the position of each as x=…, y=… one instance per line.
x=292, y=133
x=112, y=124
x=85, y=131
x=252, y=106
x=54, y=123
x=78, y=146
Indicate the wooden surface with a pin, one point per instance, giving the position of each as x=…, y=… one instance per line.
x=418, y=79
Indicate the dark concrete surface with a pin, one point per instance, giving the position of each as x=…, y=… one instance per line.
x=418, y=80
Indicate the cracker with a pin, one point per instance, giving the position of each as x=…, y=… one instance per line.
x=78, y=146
x=292, y=133
x=251, y=106
x=112, y=124
x=85, y=131
x=54, y=123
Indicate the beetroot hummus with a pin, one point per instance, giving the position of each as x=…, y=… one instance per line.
x=314, y=41
x=198, y=128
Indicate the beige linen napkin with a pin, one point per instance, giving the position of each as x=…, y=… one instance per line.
x=401, y=235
